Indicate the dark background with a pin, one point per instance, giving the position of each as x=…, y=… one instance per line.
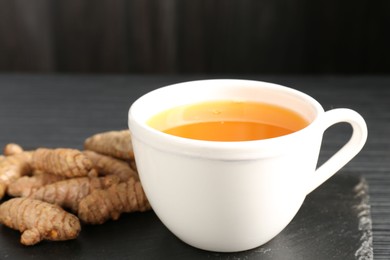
x=195, y=36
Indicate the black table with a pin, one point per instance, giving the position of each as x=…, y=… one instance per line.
x=62, y=110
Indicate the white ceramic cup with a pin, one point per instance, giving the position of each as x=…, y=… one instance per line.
x=234, y=196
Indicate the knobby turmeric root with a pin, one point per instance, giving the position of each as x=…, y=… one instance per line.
x=113, y=143
x=26, y=185
x=38, y=220
x=68, y=193
x=52, y=179
x=63, y=162
x=106, y=165
x=102, y=205
x=12, y=149
x=13, y=167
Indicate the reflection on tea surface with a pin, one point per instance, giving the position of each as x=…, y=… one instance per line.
x=228, y=121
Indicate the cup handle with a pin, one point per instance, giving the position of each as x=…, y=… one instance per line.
x=348, y=151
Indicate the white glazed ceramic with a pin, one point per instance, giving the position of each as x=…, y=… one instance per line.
x=233, y=196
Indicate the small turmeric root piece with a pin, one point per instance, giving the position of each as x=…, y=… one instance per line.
x=106, y=165
x=102, y=205
x=26, y=185
x=13, y=167
x=38, y=220
x=113, y=143
x=68, y=193
x=12, y=149
x=62, y=161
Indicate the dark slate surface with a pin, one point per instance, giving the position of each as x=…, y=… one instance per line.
x=61, y=110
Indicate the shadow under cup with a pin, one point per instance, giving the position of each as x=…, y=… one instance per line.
x=229, y=196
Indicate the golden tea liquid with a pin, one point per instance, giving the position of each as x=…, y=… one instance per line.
x=228, y=121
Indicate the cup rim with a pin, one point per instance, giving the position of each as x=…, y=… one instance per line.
x=237, y=150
